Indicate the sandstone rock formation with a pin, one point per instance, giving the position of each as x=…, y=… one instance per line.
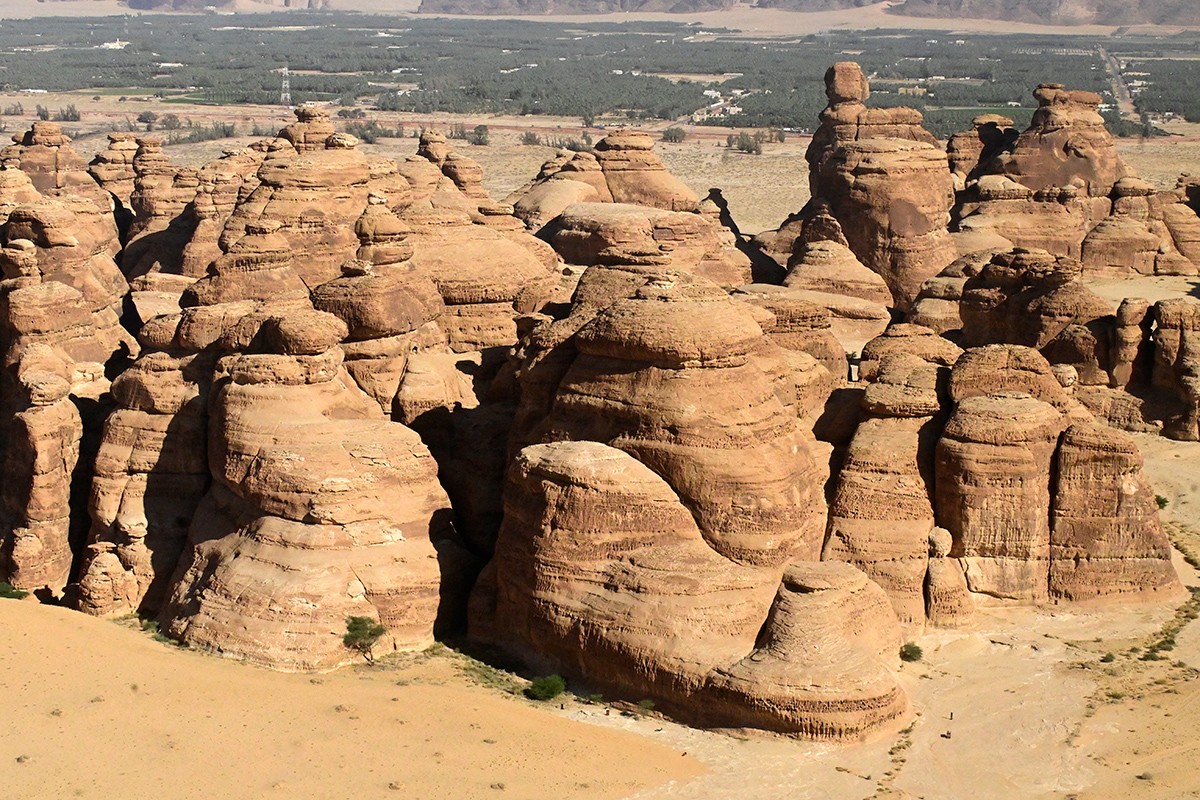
x=652, y=407
x=849, y=119
x=881, y=514
x=599, y=561
x=357, y=383
x=319, y=510
x=617, y=233
x=624, y=169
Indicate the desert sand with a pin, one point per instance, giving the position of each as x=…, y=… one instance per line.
x=95, y=708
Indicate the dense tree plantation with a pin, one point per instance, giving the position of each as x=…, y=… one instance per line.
x=587, y=69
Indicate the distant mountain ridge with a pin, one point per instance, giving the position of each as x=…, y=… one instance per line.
x=1050, y=12
x=1061, y=12
x=540, y=7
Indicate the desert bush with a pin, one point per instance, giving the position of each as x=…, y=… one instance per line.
x=10, y=592
x=371, y=131
x=361, y=635
x=674, y=134
x=479, y=135
x=745, y=143
x=546, y=688
x=911, y=652
x=530, y=138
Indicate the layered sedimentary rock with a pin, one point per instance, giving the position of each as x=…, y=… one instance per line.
x=319, y=510
x=341, y=354
x=113, y=169
x=650, y=381
x=1031, y=298
x=848, y=119
x=937, y=303
x=893, y=199
x=617, y=233
x=624, y=169
x=1066, y=145
x=161, y=192
x=389, y=308
x=1105, y=539
x=910, y=339
x=599, y=561
x=1175, y=369
x=151, y=474
x=994, y=493
x=221, y=185
x=881, y=513
x=40, y=453
x=314, y=196
x=822, y=261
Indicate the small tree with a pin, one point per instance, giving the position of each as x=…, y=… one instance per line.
x=479, y=135
x=170, y=122
x=674, y=134
x=148, y=118
x=361, y=635
x=911, y=652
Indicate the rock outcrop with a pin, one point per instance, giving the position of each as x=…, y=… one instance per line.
x=319, y=510
x=599, y=562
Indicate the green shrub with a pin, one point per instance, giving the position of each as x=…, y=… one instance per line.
x=529, y=138
x=911, y=652
x=546, y=688
x=361, y=635
x=10, y=592
x=1107, y=658
x=1161, y=501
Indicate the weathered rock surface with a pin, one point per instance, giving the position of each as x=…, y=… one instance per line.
x=1105, y=539
x=320, y=510
x=599, y=561
x=881, y=514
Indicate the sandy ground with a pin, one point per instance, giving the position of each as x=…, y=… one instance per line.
x=96, y=709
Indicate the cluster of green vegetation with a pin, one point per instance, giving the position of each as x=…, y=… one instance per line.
x=479, y=135
x=9, y=592
x=371, y=131
x=588, y=70
x=1166, y=85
